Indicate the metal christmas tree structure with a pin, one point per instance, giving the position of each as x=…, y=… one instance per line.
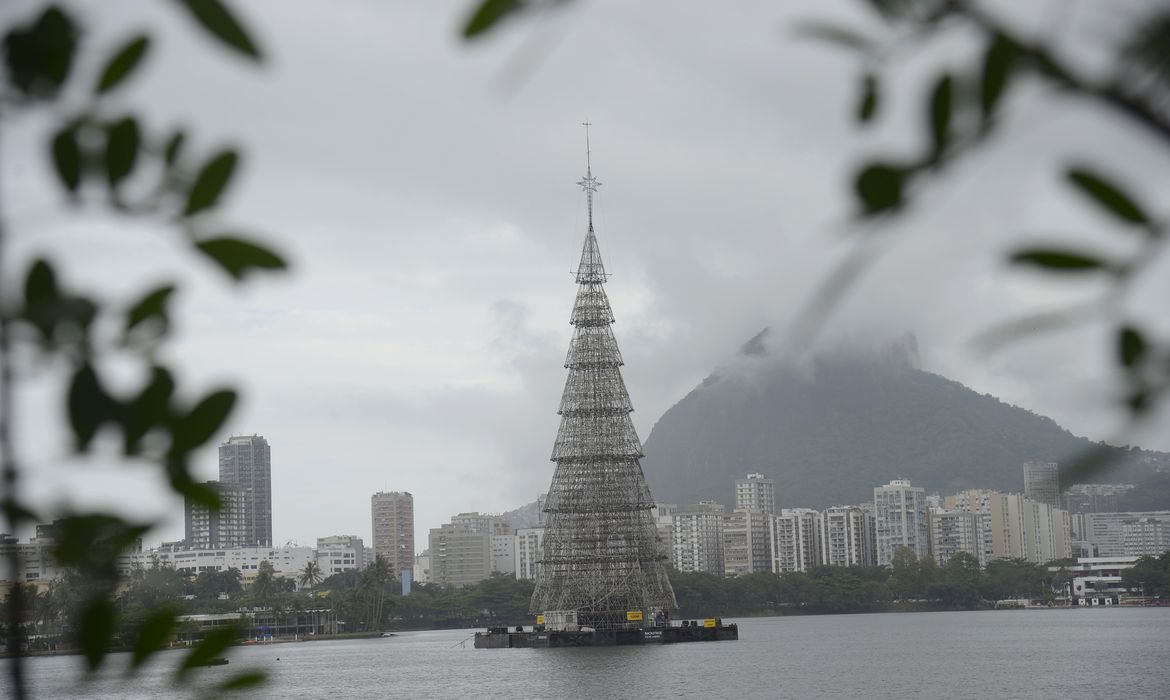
x=602, y=566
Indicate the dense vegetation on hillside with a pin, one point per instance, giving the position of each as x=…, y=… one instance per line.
x=829, y=432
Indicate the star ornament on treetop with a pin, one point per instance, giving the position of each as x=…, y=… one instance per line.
x=589, y=183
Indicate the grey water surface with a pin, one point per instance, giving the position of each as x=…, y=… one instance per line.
x=1094, y=653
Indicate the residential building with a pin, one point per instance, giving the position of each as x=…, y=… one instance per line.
x=697, y=538
x=245, y=461
x=1046, y=532
x=756, y=492
x=503, y=554
x=340, y=553
x=1129, y=534
x=1042, y=482
x=664, y=521
x=288, y=561
x=529, y=548
x=1014, y=527
x=35, y=557
x=847, y=536
x=460, y=554
x=900, y=520
x=422, y=567
x=1079, y=499
x=954, y=531
x=794, y=540
x=392, y=523
x=491, y=523
x=208, y=528
x=746, y=545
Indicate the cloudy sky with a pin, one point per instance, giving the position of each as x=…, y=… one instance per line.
x=424, y=191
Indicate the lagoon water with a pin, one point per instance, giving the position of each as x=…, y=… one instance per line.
x=1092, y=653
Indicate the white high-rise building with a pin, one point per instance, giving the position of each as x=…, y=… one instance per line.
x=794, y=540
x=900, y=519
x=529, y=548
x=847, y=536
x=697, y=538
x=756, y=492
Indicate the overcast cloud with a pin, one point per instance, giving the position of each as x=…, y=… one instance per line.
x=424, y=191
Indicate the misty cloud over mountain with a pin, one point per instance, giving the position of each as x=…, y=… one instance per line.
x=831, y=428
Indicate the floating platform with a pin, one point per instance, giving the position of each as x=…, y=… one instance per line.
x=537, y=638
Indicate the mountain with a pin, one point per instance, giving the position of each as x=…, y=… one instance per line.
x=830, y=430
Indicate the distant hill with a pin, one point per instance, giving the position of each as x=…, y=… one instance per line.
x=830, y=431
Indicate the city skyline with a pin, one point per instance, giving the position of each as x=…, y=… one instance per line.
x=416, y=343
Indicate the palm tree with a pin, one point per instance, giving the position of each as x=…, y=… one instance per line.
x=377, y=574
x=311, y=575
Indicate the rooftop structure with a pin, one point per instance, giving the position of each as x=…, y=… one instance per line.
x=602, y=564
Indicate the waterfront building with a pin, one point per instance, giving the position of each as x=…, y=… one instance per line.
x=954, y=531
x=37, y=565
x=392, y=524
x=503, y=554
x=746, y=544
x=663, y=514
x=1042, y=482
x=422, y=567
x=1014, y=527
x=697, y=537
x=470, y=548
x=529, y=544
x=460, y=554
x=1129, y=534
x=847, y=536
x=208, y=528
x=756, y=492
x=900, y=520
x=1096, y=581
x=339, y=553
x=245, y=461
x=288, y=561
x=794, y=540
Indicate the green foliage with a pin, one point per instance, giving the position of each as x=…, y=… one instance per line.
x=98, y=149
x=1013, y=578
x=212, y=646
x=152, y=635
x=238, y=257
x=211, y=181
x=219, y=21
x=1108, y=195
x=39, y=56
x=1150, y=575
x=123, y=63
x=488, y=13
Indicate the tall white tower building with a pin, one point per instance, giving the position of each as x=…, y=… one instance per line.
x=900, y=520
